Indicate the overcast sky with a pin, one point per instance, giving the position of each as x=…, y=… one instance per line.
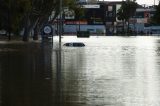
x=148, y=2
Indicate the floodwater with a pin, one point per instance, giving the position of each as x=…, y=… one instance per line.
x=108, y=71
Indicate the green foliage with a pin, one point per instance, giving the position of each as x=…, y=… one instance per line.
x=127, y=10
x=72, y=4
x=18, y=14
x=156, y=18
x=12, y=13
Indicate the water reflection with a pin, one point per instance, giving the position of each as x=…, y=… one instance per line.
x=115, y=71
x=108, y=71
x=26, y=75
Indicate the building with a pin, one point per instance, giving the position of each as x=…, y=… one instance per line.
x=111, y=22
x=101, y=18
x=93, y=20
x=140, y=22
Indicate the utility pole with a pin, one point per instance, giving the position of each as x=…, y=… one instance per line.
x=60, y=23
x=60, y=35
x=9, y=19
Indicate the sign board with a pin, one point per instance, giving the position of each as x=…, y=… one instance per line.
x=81, y=22
x=142, y=20
x=69, y=14
x=47, y=31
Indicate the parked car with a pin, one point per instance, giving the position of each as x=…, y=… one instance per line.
x=74, y=44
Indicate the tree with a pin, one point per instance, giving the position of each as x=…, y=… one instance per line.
x=37, y=15
x=28, y=14
x=12, y=13
x=126, y=11
x=156, y=17
x=40, y=12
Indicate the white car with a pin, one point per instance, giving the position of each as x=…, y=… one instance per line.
x=74, y=44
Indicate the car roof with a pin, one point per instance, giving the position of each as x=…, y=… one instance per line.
x=74, y=44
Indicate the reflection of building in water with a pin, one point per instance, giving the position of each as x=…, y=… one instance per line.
x=71, y=82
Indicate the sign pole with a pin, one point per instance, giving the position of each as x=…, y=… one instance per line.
x=60, y=34
x=60, y=24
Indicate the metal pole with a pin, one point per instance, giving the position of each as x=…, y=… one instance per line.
x=60, y=34
x=60, y=24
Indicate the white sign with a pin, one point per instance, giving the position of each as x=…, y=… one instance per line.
x=143, y=20
x=110, y=8
x=69, y=14
x=47, y=29
x=91, y=6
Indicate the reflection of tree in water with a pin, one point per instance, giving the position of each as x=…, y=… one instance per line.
x=26, y=76
x=68, y=87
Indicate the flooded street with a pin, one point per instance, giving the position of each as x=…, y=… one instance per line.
x=108, y=71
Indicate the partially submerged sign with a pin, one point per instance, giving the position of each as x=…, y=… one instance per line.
x=47, y=31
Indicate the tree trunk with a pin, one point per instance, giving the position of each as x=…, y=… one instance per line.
x=9, y=24
x=27, y=29
x=35, y=35
x=123, y=26
x=128, y=26
x=26, y=34
x=36, y=28
x=9, y=35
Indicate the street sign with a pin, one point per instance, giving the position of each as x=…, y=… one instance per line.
x=47, y=29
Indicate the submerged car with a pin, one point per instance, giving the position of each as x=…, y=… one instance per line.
x=74, y=44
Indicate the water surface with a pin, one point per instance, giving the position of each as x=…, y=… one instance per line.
x=108, y=71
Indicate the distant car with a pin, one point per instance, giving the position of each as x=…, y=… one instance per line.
x=74, y=44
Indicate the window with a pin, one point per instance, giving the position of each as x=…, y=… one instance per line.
x=110, y=8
